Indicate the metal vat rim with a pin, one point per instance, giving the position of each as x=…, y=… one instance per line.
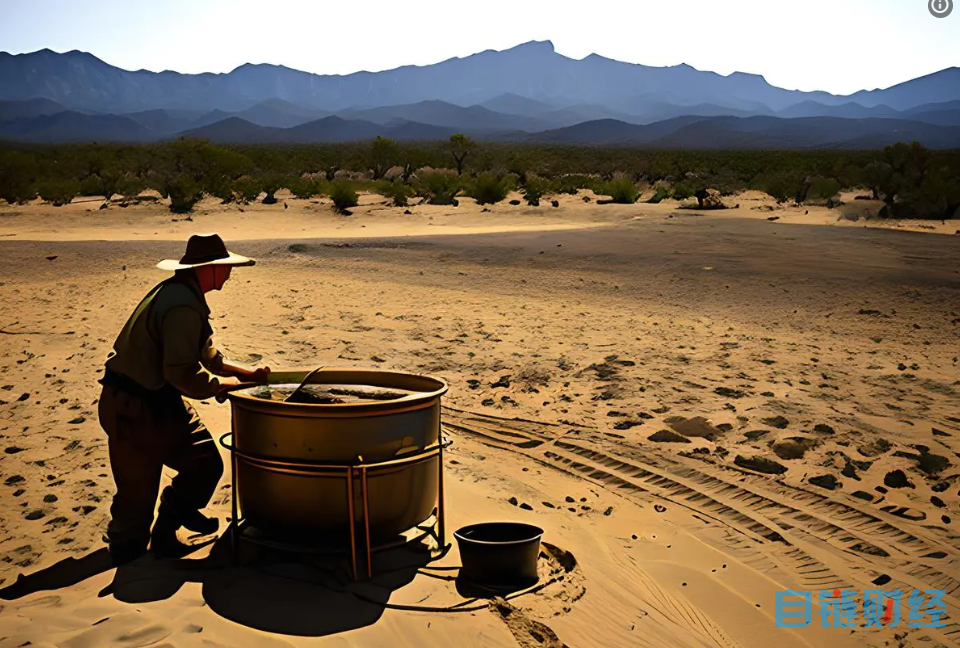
x=373, y=377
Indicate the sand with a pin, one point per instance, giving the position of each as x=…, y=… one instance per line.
x=799, y=379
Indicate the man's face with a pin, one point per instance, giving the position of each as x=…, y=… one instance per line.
x=220, y=275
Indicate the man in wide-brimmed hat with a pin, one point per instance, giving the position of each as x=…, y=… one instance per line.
x=165, y=353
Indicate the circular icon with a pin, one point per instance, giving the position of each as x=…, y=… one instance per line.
x=940, y=8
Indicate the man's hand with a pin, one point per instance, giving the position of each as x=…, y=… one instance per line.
x=245, y=374
x=228, y=385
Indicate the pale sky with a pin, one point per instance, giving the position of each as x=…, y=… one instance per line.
x=836, y=45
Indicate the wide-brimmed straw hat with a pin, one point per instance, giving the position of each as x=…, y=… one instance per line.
x=205, y=249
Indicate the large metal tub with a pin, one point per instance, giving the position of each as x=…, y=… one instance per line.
x=278, y=496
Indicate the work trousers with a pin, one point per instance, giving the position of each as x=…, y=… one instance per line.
x=145, y=434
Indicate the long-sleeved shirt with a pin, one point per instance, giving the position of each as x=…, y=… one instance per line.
x=168, y=340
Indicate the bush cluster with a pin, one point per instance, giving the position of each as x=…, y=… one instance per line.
x=911, y=180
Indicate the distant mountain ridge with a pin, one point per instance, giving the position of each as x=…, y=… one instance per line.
x=532, y=71
x=528, y=93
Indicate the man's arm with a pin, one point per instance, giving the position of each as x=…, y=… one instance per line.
x=215, y=363
x=181, y=356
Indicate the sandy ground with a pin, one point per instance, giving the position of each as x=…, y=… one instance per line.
x=800, y=383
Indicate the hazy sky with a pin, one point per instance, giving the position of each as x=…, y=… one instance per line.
x=836, y=45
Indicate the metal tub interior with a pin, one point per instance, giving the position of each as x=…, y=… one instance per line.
x=287, y=500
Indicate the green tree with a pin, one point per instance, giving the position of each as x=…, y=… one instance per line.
x=183, y=191
x=247, y=188
x=460, y=148
x=384, y=153
x=18, y=173
x=877, y=176
x=129, y=186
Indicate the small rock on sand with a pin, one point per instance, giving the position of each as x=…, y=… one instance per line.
x=697, y=426
x=897, y=479
x=667, y=436
x=793, y=448
x=874, y=448
x=728, y=392
x=760, y=464
x=932, y=464
x=778, y=422
x=830, y=482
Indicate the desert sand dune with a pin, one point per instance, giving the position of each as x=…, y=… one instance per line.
x=700, y=409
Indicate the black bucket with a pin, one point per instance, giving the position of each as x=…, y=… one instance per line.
x=499, y=554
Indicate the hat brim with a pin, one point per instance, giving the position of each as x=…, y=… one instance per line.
x=230, y=260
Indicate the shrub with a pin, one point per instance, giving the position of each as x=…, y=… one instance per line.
x=781, y=186
x=302, y=187
x=58, y=192
x=488, y=189
x=572, y=184
x=271, y=185
x=438, y=188
x=824, y=189
x=343, y=196
x=534, y=190
x=222, y=189
x=92, y=185
x=397, y=192
x=659, y=195
x=621, y=191
x=130, y=186
x=682, y=191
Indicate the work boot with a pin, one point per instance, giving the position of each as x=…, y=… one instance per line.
x=121, y=554
x=190, y=519
x=167, y=545
x=163, y=539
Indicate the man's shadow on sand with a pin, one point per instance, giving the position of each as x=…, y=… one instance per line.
x=274, y=592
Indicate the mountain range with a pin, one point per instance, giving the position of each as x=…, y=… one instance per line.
x=528, y=93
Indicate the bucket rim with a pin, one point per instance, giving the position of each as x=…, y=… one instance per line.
x=536, y=533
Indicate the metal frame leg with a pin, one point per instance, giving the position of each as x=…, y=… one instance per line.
x=366, y=520
x=234, y=520
x=441, y=526
x=353, y=522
